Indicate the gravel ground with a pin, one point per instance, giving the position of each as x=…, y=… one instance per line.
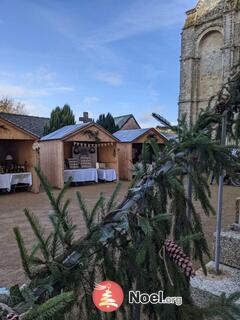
x=12, y=205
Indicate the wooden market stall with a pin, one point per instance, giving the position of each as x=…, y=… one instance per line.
x=83, y=152
x=130, y=148
x=18, y=156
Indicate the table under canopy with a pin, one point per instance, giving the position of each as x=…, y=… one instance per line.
x=107, y=174
x=81, y=175
x=88, y=175
x=9, y=179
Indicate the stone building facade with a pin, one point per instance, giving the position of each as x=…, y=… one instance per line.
x=210, y=48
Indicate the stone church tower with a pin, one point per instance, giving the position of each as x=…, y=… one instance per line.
x=210, y=48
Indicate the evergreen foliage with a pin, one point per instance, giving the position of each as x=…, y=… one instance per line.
x=60, y=117
x=125, y=242
x=227, y=102
x=52, y=308
x=107, y=122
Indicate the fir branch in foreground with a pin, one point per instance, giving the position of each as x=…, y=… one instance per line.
x=51, y=308
x=111, y=203
x=23, y=252
x=39, y=233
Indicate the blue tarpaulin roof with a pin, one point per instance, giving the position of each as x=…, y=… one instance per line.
x=63, y=132
x=130, y=135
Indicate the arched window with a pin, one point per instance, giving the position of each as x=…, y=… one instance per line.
x=210, y=66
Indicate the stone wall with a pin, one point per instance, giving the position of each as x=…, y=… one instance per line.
x=210, y=48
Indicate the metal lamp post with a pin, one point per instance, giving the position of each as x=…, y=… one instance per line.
x=220, y=200
x=189, y=192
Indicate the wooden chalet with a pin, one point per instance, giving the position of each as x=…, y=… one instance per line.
x=126, y=122
x=130, y=148
x=19, y=151
x=83, y=152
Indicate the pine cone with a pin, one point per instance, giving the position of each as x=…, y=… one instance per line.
x=179, y=257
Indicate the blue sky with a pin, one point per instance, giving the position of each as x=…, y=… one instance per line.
x=118, y=56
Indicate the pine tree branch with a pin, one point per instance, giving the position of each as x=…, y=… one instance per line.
x=111, y=202
x=51, y=308
x=23, y=252
x=39, y=233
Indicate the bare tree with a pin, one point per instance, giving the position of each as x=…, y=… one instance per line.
x=9, y=105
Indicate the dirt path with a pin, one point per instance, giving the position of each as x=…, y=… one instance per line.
x=11, y=206
x=11, y=214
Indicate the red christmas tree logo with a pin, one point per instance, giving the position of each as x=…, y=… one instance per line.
x=108, y=296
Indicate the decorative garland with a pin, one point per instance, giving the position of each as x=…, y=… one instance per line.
x=92, y=134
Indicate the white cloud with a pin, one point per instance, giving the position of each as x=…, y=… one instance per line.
x=23, y=91
x=19, y=91
x=87, y=101
x=62, y=88
x=140, y=17
x=134, y=18
x=111, y=78
x=38, y=83
x=40, y=75
x=36, y=109
x=146, y=119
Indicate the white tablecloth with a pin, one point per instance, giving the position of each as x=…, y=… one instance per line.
x=9, y=179
x=5, y=181
x=81, y=175
x=107, y=174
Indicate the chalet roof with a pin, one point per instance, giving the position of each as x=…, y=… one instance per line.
x=31, y=124
x=63, y=132
x=122, y=120
x=72, y=129
x=168, y=135
x=132, y=134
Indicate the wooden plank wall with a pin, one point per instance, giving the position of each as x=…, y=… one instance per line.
x=67, y=150
x=8, y=131
x=81, y=136
x=22, y=151
x=125, y=160
x=108, y=155
x=52, y=162
x=144, y=138
x=26, y=153
x=130, y=124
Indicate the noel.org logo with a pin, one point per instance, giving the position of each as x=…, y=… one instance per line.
x=108, y=296
x=153, y=298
